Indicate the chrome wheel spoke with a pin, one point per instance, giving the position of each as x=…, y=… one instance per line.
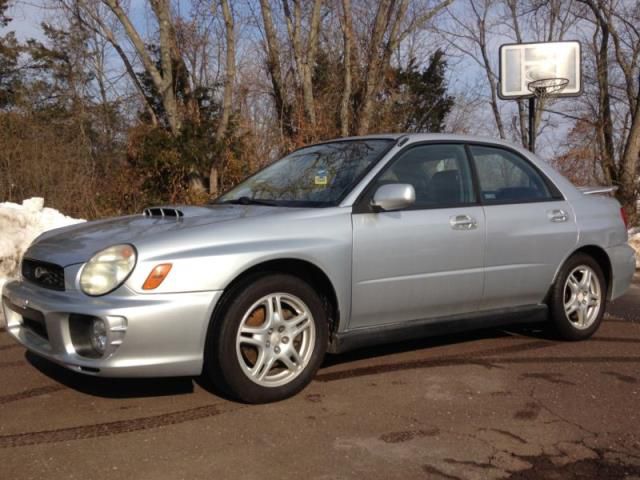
x=270, y=313
x=573, y=284
x=296, y=357
x=582, y=315
x=570, y=307
x=301, y=323
x=263, y=365
x=254, y=340
x=277, y=303
x=245, y=330
x=291, y=365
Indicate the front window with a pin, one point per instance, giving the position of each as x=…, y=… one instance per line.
x=319, y=175
x=439, y=174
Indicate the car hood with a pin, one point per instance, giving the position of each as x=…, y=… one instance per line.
x=78, y=243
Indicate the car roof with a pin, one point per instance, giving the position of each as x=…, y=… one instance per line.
x=418, y=137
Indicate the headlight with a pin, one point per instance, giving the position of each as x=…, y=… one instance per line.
x=107, y=270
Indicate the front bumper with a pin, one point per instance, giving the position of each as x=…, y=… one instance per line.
x=151, y=335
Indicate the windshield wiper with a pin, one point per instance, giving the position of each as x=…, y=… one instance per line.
x=251, y=201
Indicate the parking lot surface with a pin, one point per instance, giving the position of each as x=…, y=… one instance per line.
x=503, y=403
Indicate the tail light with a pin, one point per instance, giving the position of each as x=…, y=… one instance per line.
x=624, y=217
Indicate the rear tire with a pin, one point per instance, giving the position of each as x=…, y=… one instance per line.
x=578, y=298
x=268, y=340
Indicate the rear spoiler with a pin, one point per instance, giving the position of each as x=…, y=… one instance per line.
x=597, y=190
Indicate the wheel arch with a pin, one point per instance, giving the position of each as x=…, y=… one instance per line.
x=304, y=270
x=600, y=256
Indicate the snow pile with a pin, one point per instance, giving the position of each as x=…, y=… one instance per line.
x=19, y=226
x=634, y=241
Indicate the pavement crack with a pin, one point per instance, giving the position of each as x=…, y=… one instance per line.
x=513, y=436
x=553, y=413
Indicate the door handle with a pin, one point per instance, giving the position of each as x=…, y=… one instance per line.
x=463, y=222
x=557, y=216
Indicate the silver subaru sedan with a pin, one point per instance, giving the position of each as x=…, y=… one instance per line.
x=339, y=245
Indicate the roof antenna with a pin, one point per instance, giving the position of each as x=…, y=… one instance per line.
x=402, y=140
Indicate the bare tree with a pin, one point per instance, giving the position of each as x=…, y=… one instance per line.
x=272, y=47
x=620, y=28
x=470, y=34
x=227, y=95
x=163, y=78
x=230, y=69
x=304, y=53
x=347, y=35
x=388, y=32
x=90, y=14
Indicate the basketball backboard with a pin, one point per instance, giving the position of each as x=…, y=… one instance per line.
x=552, y=64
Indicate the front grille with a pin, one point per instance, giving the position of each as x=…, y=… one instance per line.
x=46, y=275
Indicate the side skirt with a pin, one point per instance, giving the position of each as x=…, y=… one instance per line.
x=366, y=337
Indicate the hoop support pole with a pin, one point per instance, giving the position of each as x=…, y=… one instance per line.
x=532, y=124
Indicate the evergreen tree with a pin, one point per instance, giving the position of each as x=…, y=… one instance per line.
x=9, y=56
x=425, y=103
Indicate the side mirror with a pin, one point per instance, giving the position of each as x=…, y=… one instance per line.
x=393, y=196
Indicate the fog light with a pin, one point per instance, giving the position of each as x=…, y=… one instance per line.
x=99, y=335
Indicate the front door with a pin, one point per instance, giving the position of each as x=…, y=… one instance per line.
x=425, y=261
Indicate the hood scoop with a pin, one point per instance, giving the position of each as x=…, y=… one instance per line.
x=163, y=212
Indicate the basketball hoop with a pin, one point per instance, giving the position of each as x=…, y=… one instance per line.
x=539, y=72
x=545, y=87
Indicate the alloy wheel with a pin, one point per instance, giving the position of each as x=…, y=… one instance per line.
x=275, y=340
x=582, y=297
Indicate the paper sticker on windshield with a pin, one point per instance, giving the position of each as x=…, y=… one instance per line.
x=321, y=177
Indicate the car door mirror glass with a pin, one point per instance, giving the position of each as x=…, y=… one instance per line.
x=393, y=196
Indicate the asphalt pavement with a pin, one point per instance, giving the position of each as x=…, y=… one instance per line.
x=503, y=403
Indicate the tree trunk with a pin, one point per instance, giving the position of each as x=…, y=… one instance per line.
x=373, y=66
x=309, y=65
x=380, y=52
x=304, y=56
x=283, y=107
x=169, y=102
x=345, y=102
x=629, y=187
x=491, y=77
x=162, y=81
x=230, y=70
x=213, y=181
x=227, y=98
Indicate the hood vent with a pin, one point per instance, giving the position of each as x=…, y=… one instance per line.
x=163, y=212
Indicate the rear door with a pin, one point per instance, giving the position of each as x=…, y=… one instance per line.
x=425, y=261
x=530, y=227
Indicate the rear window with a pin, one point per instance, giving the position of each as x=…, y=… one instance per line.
x=507, y=178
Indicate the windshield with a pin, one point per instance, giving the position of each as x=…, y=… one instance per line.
x=319, y=175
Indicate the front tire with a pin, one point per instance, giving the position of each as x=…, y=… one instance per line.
x=269, y=340
x=578, y=298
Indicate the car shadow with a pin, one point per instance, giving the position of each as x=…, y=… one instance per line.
x=111, y=387
x=536, y=330
x=167, y=386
